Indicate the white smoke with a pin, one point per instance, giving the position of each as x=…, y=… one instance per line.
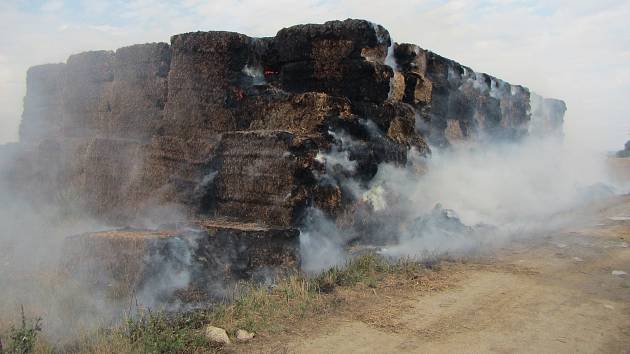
x=255, y=73
x=321, y=243
x=390, y=58
x=485, y=194
x=499, y=184
x=35, y=262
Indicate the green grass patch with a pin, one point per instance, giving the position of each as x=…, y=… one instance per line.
x=22, y=338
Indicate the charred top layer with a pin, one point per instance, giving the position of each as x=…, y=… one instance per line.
x=300, y=43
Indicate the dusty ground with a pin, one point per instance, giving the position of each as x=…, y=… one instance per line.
x=554, y=294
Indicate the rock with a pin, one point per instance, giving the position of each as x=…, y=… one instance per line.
x=244, y=336
x=217, y=335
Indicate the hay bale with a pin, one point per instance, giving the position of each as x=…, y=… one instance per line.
x=192, y=262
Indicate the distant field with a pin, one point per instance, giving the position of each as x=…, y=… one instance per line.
x=619, y=169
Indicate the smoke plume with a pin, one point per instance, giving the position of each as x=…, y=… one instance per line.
x=466, y=198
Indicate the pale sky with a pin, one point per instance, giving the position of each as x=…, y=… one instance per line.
x=578, y=51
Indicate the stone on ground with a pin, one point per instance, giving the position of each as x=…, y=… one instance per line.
x=217, y=335
x=243, y=335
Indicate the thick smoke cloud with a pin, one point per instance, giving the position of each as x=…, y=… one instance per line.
x=467, y=198
x=38, y=273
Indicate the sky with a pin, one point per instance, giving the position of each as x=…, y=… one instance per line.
x=578, y=51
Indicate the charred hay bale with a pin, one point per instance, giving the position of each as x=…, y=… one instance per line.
x=50, y=171
x=332, y=58
x=140, y=90
x=355, y=79
x=306, y=113
x=203, y=80
x=177, y=170
x=515, y=112
x=344, y=39
x=87, y=93
x=396, y=120
x=43, y=107
x=191, y=262
x=263, y=176
x=120, y=262
x=459, y=104
x=417, y=89
x=250, y=250
x=112, y=177
x=547, y=115
x=153, y=123
x=411, y=58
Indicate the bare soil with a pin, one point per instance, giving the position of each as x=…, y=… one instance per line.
x=554, y=293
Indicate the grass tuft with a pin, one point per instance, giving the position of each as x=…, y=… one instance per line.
x=22, y=339
x=156, y=332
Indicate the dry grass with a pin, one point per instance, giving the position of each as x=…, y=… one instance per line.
x=296, y=301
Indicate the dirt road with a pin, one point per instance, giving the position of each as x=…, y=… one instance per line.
x=566, y=292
